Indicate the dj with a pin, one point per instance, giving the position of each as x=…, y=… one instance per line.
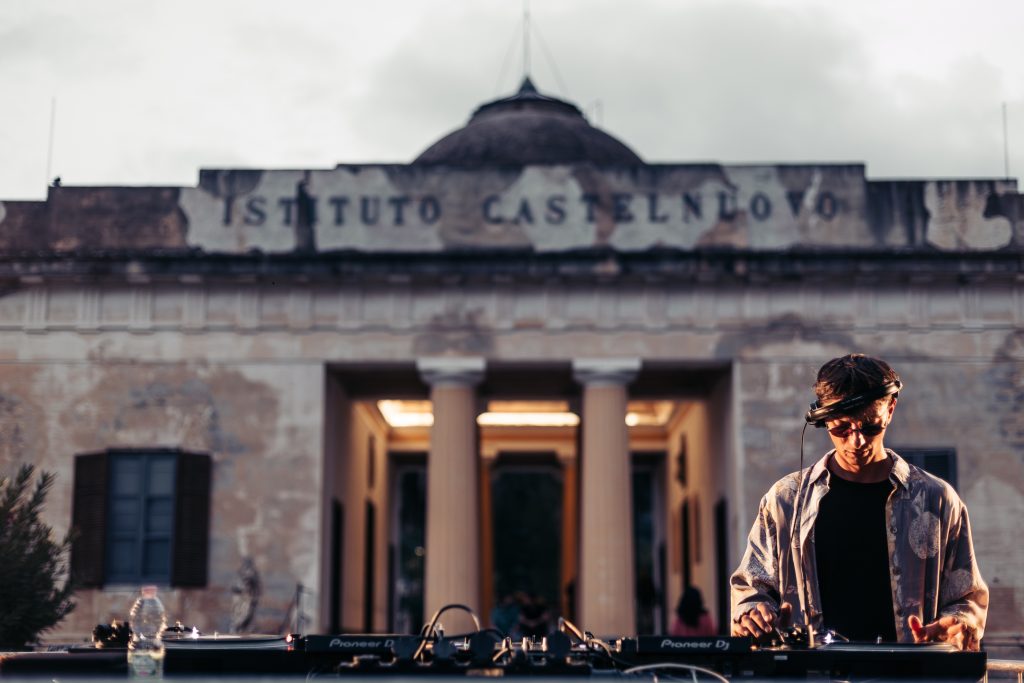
x=884, y=548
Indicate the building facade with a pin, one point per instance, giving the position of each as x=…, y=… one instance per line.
x=528, y=362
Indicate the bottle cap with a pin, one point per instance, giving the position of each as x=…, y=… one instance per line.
x=149, y=591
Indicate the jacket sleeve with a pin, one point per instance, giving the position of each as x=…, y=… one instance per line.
x=962, y=591
x=756, y=580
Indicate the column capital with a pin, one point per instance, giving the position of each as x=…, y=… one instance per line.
x=451, y=370
x=605, y=371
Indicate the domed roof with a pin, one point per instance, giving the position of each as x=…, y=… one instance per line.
x=527, y=128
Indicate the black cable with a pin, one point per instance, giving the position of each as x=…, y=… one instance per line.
x=692, y=668
x=794, y=547
x=489, y=629
x=564, y=624
x=428, y=629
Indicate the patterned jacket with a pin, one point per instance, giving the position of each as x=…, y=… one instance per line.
x=932, y=568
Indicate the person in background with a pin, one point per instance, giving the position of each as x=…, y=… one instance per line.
x=692, y=618
x=534, y=617
x=506, y=615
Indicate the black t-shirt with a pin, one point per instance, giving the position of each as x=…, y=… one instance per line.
x=853, y=560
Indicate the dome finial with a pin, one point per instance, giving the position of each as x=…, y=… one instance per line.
x=528, y=128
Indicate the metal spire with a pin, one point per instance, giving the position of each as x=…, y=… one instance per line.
x=526, y=38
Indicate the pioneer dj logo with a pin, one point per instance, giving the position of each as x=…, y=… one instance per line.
x=719, y=644
x=346, y=644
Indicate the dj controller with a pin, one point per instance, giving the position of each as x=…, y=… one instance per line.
x=565, y=653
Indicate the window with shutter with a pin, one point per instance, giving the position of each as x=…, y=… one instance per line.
x=938, y=461
x=141, y=516
x=89, y=519
x=192, y=521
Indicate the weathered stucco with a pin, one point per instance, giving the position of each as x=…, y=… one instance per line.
x=239, y=373
x=387, y=208
x=212, y=318
x=261, y=425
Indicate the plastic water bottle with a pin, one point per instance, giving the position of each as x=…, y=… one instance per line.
x=147, y=621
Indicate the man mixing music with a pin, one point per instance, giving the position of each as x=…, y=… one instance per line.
x=884, y=549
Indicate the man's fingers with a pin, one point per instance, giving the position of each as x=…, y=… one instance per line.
x=946, y=622
x=923, y=633
x=785, y=614
x=747, y=627
x=761, y=619
x=757, y=622
x=765, y=617
x=945, y=629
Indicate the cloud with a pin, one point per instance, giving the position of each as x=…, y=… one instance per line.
x=148, y=93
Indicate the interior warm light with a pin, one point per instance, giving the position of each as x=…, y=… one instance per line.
x=528, y=420
x=400, y=414
x=649, y=413
x=406, y=414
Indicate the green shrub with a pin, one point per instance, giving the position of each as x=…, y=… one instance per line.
x=35, y=588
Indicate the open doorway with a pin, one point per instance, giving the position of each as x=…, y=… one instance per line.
x=528, y=451
x=526, y=528
x=649, y=541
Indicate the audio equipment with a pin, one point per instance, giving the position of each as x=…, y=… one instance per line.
x=818, y=415
x=483, y=653
x=739, y=658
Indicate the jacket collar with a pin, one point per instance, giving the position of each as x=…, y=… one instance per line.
x=900, y=473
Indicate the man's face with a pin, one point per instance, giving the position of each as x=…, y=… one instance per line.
x=858, y=438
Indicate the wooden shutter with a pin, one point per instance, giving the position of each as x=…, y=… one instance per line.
x=191, y=521
x=89, y=520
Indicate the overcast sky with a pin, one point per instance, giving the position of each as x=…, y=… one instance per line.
x=147, y=93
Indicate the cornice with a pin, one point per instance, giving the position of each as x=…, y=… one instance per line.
x=704, y=266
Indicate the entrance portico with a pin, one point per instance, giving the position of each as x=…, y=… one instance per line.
x=583, y=427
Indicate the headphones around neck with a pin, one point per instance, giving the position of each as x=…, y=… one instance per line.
x=818, y=415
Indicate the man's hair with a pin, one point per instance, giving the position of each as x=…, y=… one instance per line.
x=850, y=375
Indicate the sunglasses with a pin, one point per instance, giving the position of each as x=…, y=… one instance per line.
x=868, y=430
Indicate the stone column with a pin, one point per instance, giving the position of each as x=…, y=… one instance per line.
x=452, y=572
x=607, y=588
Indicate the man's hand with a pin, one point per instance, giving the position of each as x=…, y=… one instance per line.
x=943, y=630
x=762, y=619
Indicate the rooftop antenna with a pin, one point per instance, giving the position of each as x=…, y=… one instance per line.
x=551, y=61
x=529, y=32
x=49, y=148
x=526, y=39
x=1006, y=146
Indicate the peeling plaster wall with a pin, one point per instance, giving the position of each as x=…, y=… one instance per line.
x=239, y=372
x=260, y=424
x=391, y=208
